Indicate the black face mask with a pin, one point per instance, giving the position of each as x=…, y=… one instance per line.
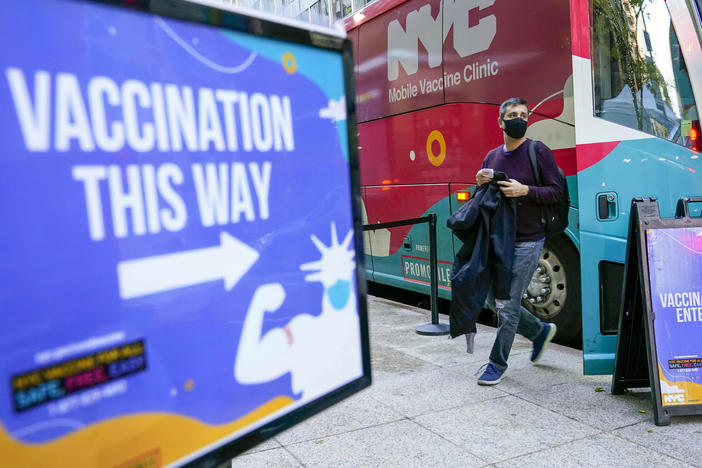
x=515, y=128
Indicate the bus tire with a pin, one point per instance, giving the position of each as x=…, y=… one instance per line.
x=553, y=294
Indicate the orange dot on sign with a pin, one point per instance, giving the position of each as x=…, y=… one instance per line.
x=289, y=63
x=189, y=385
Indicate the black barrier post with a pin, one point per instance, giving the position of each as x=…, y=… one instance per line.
x=433, y=328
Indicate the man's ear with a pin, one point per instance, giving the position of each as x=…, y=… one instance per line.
x=499, y=122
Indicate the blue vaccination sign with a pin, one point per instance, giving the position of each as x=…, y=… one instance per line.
x=178, y=239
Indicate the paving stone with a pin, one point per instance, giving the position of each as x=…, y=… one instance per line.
x=399, y=444
x=426, y=409
x=430, y=391
x=406, y=338
x=600, y=409
x=353, y=413
x=504, y=428
x=278, y=458
x=555, y=368
x=608, y=451
x=388, y=363
x=394, y=314
x=443, y=351
x=681, y=440
x=267, y=445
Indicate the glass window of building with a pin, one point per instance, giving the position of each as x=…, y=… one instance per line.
x=345, y=8
x=640, y=77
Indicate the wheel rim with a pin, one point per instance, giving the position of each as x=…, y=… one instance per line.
x=546, y=294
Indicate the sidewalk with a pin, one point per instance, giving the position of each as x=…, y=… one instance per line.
x=424, y=409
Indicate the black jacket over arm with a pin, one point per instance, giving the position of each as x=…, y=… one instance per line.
x=487, y=227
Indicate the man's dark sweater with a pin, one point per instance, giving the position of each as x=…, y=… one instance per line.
x=516, y=165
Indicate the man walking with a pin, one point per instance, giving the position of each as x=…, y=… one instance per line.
x=512, y=158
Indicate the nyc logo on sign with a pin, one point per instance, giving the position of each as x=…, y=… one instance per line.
x=673, y=398
x=672, y=394
x=421, y=27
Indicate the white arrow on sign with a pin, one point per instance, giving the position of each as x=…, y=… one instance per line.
x=150, y=275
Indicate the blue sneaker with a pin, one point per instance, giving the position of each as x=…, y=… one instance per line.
x=491, y=376
x=541, y=342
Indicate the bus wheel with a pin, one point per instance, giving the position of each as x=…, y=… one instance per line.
x=553, y=294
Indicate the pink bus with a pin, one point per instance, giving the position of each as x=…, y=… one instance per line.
x=611, y=85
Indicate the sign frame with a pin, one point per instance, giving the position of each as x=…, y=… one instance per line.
x=261, y=25
x=636, y=330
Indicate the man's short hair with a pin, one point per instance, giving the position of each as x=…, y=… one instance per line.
x=514, y=101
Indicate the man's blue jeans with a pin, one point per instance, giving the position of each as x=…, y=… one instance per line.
x=512, y=317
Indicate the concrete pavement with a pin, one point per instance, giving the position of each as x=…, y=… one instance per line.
x=425, y=409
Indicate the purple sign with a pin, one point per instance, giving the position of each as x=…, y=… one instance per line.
x=675, y=271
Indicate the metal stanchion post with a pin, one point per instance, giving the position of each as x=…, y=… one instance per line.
x=433, y=328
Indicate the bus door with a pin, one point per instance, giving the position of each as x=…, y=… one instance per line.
x=636, y=72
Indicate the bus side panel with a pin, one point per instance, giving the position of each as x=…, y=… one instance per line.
x=649, y=167
x=507, y=50
x=401, y=254
x=392, y=62
x=455, y=204
x=435, y=145
x=353, y=37
x=618, y=155
x=367, y=239
x=427, y=52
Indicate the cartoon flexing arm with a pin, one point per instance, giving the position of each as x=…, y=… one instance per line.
x=262, y=358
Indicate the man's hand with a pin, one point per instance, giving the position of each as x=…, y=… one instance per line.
x=482, y=177
x=513, y=188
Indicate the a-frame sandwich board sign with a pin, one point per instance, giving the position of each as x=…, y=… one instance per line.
x=661, y=313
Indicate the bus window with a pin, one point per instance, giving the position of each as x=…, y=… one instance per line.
x=640, y=77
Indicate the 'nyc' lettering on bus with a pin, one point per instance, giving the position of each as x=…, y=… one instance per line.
x=422, y=27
